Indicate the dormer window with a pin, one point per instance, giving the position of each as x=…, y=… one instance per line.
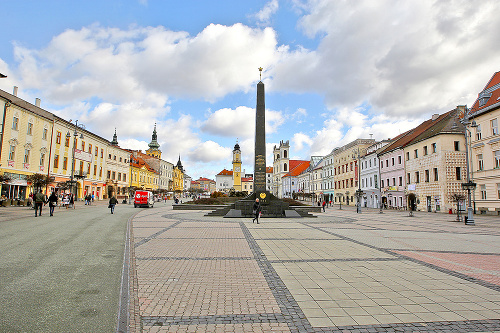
x=483, y=98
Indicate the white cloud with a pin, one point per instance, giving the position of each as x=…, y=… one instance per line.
x=300, y=140
x=270, y=8
x=403, y=58
x=210, y=151
x=240, y=122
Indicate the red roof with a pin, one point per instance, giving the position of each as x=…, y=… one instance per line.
x=297, y=167
x=249, y=179
x=269, y=169
x=138, y=162
x=205, y=180
x=491, y=98
x=225, y=173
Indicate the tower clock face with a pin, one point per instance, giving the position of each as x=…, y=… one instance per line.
x=237, y=169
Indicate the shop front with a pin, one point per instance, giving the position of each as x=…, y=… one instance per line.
x=16, y=188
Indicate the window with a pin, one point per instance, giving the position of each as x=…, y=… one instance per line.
x=393, y=181
x=416, y=153
x=400, y=180
x=381, y=183
x=458, y=174
x=90, y=148
x=12, y=153
x=15, y=123
x=44, y=134
x=26, y=156
x=100, y=172
x=408, y=156
x=434, y=147
x=30, y=129
x=109, y=174
x=478, y=132
x=498, y=191
x=81, y=168
x=114, y=158
x=95, y=170
x=120, y=159
x=497, y=159
x=119, y=176
x=102, y=153
x=109, y=156
x=88, y=169
x=58, y=137
x=483, y=192
x=456, y=144
x=42, y=159
x=83, y=145
x=494, y=126
x=96, y=151
x=56, y=161
x=66, y=142
x=65, y=163
x=436, y=177
x=393, y=161
x=408, y=179
x=480, y=162
x=284, y=166
x=427, y=176
x=387, y=162
x=417, y=177
x=399, y=159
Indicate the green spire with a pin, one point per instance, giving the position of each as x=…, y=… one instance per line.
x=154, y=145
x=115, y=139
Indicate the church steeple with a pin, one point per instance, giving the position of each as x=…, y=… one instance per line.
x=179, y=164
x=154, y=146
x=115, y=139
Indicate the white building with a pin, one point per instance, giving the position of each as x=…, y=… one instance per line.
x=370, y=176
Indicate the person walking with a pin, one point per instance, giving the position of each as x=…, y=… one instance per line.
x=72, y=200
x=39, y=201
x=52, y=202
x=256, y=210
x=324, y=204
x=112, y=203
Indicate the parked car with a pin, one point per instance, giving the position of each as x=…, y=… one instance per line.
x=144, y=199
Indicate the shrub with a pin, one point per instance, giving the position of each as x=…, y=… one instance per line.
x=292, y=202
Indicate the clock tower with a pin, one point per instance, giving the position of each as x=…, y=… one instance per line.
x=237, y=167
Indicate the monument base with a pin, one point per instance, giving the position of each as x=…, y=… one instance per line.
x=271, y=205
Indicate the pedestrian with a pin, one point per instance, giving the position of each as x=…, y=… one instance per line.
x=256, y=210
x=39, y=202
x=72, y=200
x=93, y=197
x=52, y=202
x=112, y=203
x=324, y=204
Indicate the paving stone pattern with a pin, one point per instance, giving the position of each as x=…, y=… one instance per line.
x=341, y=272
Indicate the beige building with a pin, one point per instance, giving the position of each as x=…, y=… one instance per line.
x=117, y=170
x=485, y=143
x=345, y=161
x=435, y=164
x=25, y=143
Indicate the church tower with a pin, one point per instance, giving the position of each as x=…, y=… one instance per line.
x=154, y=146
x=115, y=140
x=237, y=168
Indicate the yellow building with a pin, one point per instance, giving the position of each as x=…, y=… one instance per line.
x=142, y=175
x=25, y=143
x=178, y=179
x=237, y=168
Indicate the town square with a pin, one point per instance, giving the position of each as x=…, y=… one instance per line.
x=267, y=166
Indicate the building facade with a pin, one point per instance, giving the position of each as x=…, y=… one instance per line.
x=485, y=147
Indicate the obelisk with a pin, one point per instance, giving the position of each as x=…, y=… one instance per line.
x=260, y=140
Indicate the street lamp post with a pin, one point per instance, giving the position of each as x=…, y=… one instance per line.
x=359, y=192
x=469, y=185
x=68, y=135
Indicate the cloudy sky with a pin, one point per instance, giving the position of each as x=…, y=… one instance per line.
x=334, y=70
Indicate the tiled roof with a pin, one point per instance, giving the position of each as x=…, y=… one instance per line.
x=406, y=138
x=250, y=179
x=490, y=94
x=269, y=169
x=446, y=123
x=138, y=162
x=298, y=168
x=225, y=173
x=202, y=179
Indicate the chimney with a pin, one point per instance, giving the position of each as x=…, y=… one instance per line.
x=37, y=102
x=15, y=91
x=435, y=116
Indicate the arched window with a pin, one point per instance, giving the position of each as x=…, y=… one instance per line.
x=284, y=153
x=285, y=167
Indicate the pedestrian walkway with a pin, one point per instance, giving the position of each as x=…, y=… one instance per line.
x=340, y=272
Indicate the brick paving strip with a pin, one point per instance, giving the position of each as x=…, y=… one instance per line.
x=209, y=288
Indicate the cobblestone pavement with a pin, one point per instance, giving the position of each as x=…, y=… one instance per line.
x=339, y=272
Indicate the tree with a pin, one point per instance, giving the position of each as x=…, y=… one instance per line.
x=457, y=197
x=39, y=181
x=4, y=179
x=63, y=186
